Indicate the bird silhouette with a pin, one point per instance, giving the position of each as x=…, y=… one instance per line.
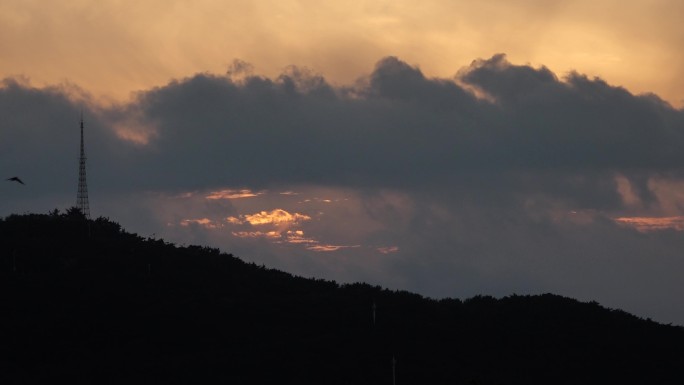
x=15, y=179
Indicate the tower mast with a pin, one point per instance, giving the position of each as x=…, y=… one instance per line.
x=82, y=196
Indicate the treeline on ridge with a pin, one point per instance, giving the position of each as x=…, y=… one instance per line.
x=87, y=302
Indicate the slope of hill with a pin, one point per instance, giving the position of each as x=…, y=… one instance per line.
x=85, y=302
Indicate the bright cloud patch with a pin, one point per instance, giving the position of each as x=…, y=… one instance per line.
x=646, y=224
x=234, y=220
x=280, y=223
x=297, y=237
x=276, y=217
x=292, y=237
x=327, y=248
x=233, y=194
x=257, y=234
x=204, y=222
x=280, y=227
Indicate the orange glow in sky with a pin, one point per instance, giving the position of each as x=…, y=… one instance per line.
x=232, y=194
x=275, y=217
x=646, y=224
x=113, y=48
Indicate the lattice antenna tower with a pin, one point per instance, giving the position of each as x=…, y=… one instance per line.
x=82, y=196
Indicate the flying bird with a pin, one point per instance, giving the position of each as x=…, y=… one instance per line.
x=15, y=179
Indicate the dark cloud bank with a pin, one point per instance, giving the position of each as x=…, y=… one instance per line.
x=509, y=176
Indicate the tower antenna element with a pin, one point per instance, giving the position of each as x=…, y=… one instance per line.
x=82, y=196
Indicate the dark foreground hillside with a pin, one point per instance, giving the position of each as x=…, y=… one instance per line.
x=83, y=302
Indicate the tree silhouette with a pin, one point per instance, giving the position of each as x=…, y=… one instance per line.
x=88, y=309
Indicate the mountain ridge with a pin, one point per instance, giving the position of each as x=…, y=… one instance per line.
x=88, y=302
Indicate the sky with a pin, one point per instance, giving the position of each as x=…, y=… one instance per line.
x=449, y=148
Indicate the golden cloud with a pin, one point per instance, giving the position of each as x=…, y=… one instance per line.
x=232, y=194
x=582, y=34
x=280, y=222
x=257, y=234
x=276, y=217
x=646, y=224
x=204, y=222
x=297, y=237
x=328, y=248
x=234, y=220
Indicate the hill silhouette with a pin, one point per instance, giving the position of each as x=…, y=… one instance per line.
x=85, y=302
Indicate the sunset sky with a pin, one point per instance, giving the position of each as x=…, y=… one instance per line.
x=450, y=148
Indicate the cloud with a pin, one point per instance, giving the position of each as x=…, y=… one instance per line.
x=401, y=129
x=128, y=47
x=232, y=194
x=328, y=248
x=653, y=224
x=277, y=217
x=204, y=222
x=505, y=178
x=257, y=234
x=396, y=129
